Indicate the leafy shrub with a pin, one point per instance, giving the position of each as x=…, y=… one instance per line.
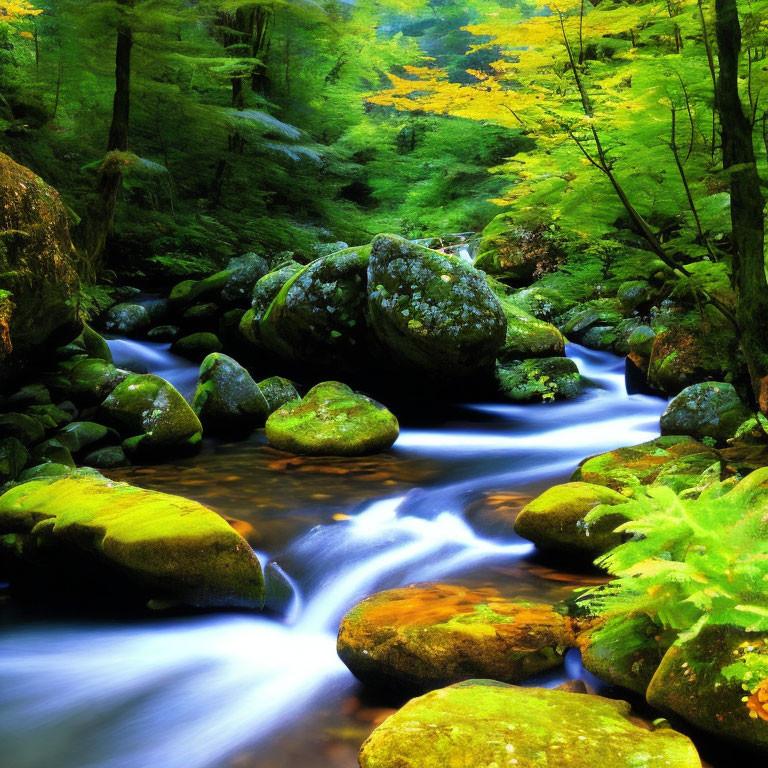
x=698, y=559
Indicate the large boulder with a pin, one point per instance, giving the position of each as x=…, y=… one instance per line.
x=711, y=409
x=536, y=380
x=85, y=530
x=319, y=315
x=277, y=392
x=38, y=283
x=127, y=320
x=515, y=254
x=246, y=271
x=156, y=419
x=227, y=400
x=554, y=521
x=696, y=681
x=92, y=379
x=332, y=420
x=526, y=336
x=419, y=638
x=675, y=460
x=486, y=723
x=434, y=313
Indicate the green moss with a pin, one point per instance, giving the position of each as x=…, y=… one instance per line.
x=193, y=291
x=433, y=313
x=555, y=520
x=197, y=346
x=676, y=461
x=170, y=547
x=277, y=392
x=422, y=637
x=92, y=379
x=154, y=415
x=332, y=420
x=545, y=379
x=21, y=426
x=485, y=723
x=319, y=315
x=13, y=458
x=227, y=399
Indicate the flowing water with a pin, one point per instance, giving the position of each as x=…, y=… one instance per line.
x=262, y=691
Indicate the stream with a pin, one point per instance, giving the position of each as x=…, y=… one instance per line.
x=268, y=691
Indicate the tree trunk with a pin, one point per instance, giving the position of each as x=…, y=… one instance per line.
x=746, y=204
x=98, y=223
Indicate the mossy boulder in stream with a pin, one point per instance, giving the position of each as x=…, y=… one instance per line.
x=710, y=409
x=332, y=420
x=197, y=346
x=168, y=548
x=536, y=380
x=486, y=723
x=227, y=400
x=698, y=681
x=92, y=379
x=153, y=415
x=434, y=313
x=554, y=521
x=127, y=320
x=277, y=392
x=319, y=315
x=676, y=461
x=39, y=294
x=419, y=638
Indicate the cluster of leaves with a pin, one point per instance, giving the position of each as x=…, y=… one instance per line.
x=612, y=92
x=694, y=560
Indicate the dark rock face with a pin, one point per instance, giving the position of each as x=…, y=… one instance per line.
x=38, y=281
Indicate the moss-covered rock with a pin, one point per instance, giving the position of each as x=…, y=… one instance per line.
x=46, y=470
x=157, y=420
x=13, y=458
x=49, y=416
x=201, y=316
x=127, y=320
x=485, y=723
x=53, y=451
x=277, y=392
x=164, y=333
x=23, y=427
x=634, y=295
x=554, y=521
x=628, y=655
x=246, y=271
x=690, y=682
x=711, y=409
x=190, y=292
x=227, y=400
x=110, y=457
x=419, y=638
x=92, y=379
x=319, y=315
x=552, y=378
x=93, y=345
x=434, y=314
x=40, y=286
x=698, y=347
x=169, y=548
x=514, y=254
x=675, y=460
x=197, y=346
x=81, y=435
x=526, y=335
x=30, y=394
x=332, y=420
x=542, y=302
x=266, y=289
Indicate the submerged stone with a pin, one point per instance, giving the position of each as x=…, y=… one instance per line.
x=227, y=399
x=423, y=637
x=332, y=420
x=433, y=313
x=486, y=723
x=167, y=547
x=554, y=521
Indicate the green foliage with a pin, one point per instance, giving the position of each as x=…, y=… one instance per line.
x=695, y=560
